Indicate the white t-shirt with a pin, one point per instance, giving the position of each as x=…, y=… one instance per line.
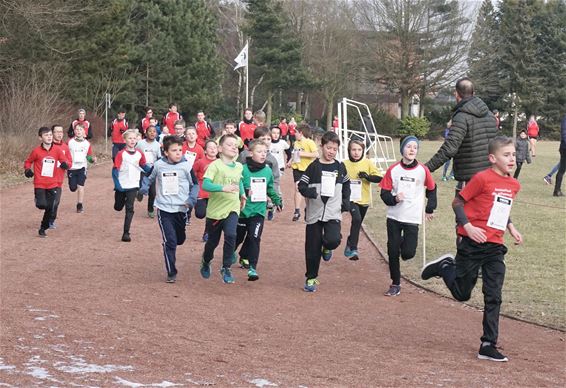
x=278, y=151
x=79, y=150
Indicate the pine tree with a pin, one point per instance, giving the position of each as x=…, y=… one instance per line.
x=483, y=56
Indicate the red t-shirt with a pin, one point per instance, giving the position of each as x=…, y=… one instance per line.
x=197, y=149
x=65, y=149
x=246, y=131
x=145, y=124
x=292, y=128
x=479, y=195
x=118, y=129
x=203, y=132
x=532, y=129
x=199, y=169
x=335, y=124
x=284, y=129
x=45, y=166
x=169, y=120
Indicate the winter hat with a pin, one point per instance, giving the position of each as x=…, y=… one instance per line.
x=406, y=140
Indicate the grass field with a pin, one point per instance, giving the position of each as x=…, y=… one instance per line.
x=535, y=281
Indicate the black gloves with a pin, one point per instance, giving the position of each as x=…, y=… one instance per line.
x=363, y=175
x=28, y=173
x=64, y=166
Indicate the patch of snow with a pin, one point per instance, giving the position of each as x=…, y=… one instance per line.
x=262, y=383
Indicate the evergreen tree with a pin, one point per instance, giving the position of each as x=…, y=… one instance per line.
x=483, y=57
x=274, y=53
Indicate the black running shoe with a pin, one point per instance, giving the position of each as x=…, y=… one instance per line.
x=42, y=233
x=432, y=269
x=80, y=208
x=126, y=237
x=490, y=353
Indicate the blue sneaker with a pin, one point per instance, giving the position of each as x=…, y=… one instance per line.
x=270, y=215
x=204, y=237
x=227, y=275
x=326, y=254
x=252, y=274
x=351, y=254
x=310, y=285
x=234, y=258
x=52, y=225
x=204, y=269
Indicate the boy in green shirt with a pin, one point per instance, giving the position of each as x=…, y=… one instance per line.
x=258, y=185
x=223, y=180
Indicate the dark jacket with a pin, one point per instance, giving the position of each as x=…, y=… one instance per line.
x=563, y=134
x=522, y=150
x=473, y=126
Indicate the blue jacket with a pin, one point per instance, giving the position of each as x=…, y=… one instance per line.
x=181, y=197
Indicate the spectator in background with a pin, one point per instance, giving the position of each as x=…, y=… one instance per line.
x=562, y=168
x=532, y=132
x=86, y=125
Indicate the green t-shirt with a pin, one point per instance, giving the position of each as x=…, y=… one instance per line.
x=221, y=204
x=258, y=208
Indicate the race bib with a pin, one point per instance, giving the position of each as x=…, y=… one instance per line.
x=258, y=188
x=328, y=184
x=191, y=157
x=408, y=186
x=500, y=211
x=169, y=183
x=48, y=167
x=355, y=190
x=295, y=157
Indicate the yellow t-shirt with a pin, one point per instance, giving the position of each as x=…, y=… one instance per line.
x=307, y=145
x=354, y=168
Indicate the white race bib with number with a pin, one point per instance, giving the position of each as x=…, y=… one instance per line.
x=355, y=190
x=258, y=188
x=500, y=211
x=169, y=183
x=191, y=157
x=48, y=167
x=408, y=186
x=328, y=184
x=296, y=158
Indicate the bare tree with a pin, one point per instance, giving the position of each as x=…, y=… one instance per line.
x=416, y=46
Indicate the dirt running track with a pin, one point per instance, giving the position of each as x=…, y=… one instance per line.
x=81, y=308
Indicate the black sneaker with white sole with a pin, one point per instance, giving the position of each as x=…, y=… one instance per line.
x=490, y=353
x=432, y=269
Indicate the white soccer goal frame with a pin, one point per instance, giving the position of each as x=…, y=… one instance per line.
x=381, y=146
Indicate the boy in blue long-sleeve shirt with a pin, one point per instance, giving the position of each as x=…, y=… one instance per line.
x=176, y=193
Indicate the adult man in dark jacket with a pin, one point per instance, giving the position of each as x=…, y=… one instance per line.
x=562, y=168
x=473, y=126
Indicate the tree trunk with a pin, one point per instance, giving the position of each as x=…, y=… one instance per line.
x=253, y=91
x=405, y=100
x=328, y=114
x=269, y=108
x=421, y=102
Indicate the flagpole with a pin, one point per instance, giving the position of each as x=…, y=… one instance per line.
x=247, y=66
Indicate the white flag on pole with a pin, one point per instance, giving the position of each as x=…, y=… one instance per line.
x=242, y=58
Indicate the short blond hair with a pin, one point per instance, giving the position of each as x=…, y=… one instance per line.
x=128, y=132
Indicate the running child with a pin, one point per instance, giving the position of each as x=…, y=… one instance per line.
x=482, y=211
x=304, y=152
x=278, y=147
x=80, y=155
x=246, y=127
x=203, y=128
x=258, y=185
x=326, y=188
x=230, y=127
x=199, y=168
x=403, y=191
x=152, y=152
x=223, y=180
x=117, y=128
x=58, y=134
x=171, y=117
x=362, y=172
x=45, y=159
x=175, y=195
x=179, y=129
x=126, y=175
x=164, y=131
x=191, y=149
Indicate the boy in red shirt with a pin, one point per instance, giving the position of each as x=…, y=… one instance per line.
x=246, y=127
x=46, y=160
x=204, y=129
x=199, y=168
x=171, y=117
x=482, y=211
x=116, y=131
